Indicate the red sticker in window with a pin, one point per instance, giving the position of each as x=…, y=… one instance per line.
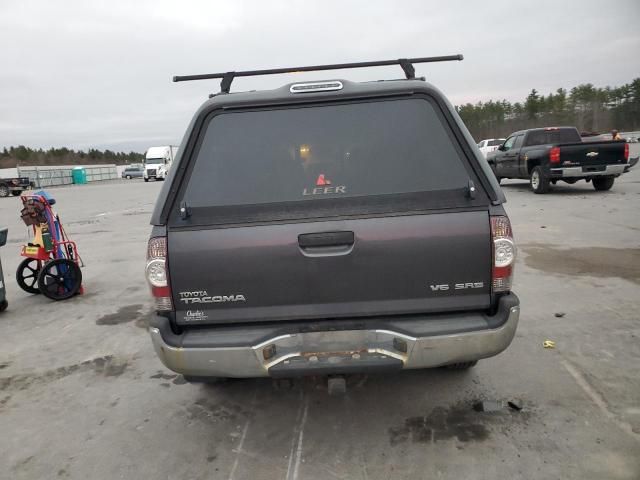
x=322, y=181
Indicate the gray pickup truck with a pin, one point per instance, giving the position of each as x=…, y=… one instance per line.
x=328, y=228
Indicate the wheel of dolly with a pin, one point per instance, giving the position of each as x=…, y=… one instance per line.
x=27, y=275
x=60, y=279
x=461, y=365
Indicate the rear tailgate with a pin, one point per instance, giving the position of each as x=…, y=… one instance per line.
x=592, y=153
x=350, y=209
x=401, y=264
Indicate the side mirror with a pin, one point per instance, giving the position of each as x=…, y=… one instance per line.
x=501, y=148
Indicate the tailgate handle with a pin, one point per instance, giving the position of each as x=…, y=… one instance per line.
x=326, y=239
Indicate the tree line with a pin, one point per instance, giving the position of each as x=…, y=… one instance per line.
x=591, y=109
x=27, y=157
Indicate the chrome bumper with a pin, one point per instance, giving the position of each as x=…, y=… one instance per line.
x=336, y=351
x=580, y=172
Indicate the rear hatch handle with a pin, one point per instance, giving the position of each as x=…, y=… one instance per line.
x=326, y=243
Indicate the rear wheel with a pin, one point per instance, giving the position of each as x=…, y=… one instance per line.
x=602, y=184
x=461, y=365
x=27, y=275
x=4, y=190
x=538, y=181
x=128, y=177
x=60, y=279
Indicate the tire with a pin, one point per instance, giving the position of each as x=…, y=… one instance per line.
x=146, y=179
x=3, y=305
x=15, y=193
x=60, y=279
x=4, y=190
x=128, y=177
x=27, y=275
x=603, y=184
x=461, y=365
x=538, y=181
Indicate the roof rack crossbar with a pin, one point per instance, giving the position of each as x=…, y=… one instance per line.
x=405, y=63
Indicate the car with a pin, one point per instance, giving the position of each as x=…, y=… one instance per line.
x=329, y=227
x=490, y=145
x=14, y=186
x=548, y=155
x=133, y=171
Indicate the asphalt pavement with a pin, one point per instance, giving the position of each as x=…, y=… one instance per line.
x=82, y=394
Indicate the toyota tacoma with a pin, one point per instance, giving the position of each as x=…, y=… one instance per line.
x=329, y=227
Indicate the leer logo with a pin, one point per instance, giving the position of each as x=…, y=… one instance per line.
x=323, y=187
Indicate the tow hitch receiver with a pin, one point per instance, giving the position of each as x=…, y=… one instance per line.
x=337, y=385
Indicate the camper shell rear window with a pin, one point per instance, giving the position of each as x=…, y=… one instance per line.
x=325, y=160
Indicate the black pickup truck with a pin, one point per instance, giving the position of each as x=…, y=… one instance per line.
x=14, y=186
x=547, y=155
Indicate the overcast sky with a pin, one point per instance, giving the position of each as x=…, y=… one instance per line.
x=98, y=74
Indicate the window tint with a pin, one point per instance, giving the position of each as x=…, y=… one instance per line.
x=509, y=143
x=547, y=137
x=495, y=143
x=315, y=153
x=518, y=142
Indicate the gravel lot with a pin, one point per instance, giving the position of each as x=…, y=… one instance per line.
x=82, y=394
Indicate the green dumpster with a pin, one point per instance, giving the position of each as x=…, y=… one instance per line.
x=79, y=175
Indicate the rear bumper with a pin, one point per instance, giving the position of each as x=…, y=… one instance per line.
x=591, y=171
x=292, y=350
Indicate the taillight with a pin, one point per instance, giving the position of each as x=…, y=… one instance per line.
x=626, y=152
x=504, y=254
x=554, y=155
x=156, y=271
